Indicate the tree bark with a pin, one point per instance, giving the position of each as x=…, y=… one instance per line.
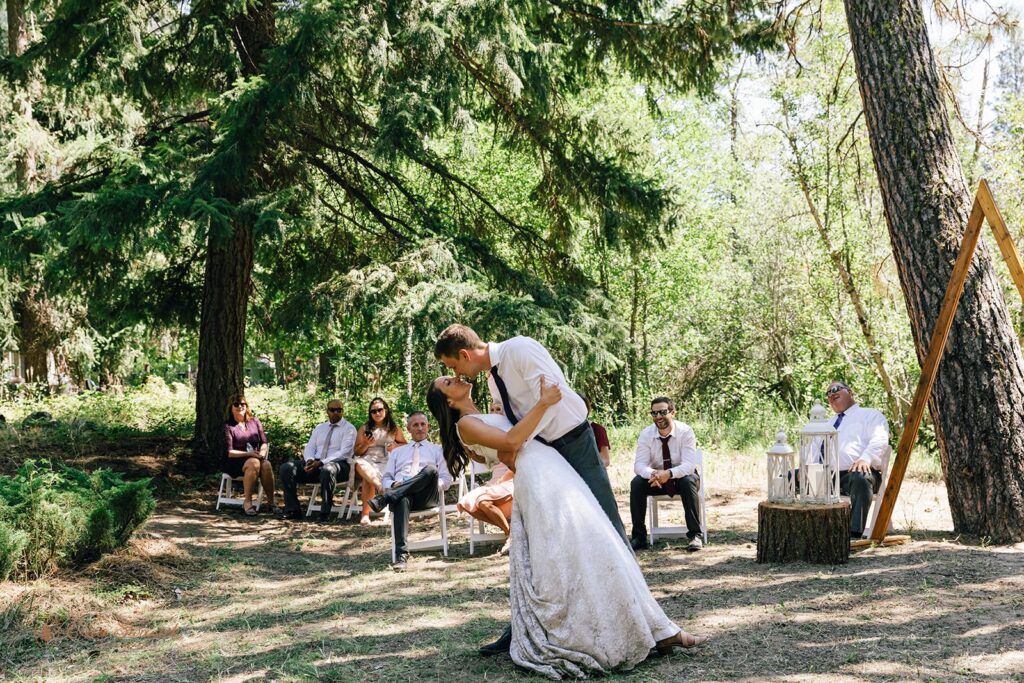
x=228, y=278
x=977, y=404
x=792, y=532
x=326, y=373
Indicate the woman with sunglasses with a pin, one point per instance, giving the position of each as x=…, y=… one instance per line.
x=379, y=435
x=246, y=452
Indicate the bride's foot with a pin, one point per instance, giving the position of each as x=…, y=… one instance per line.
x=365, y=520
x=681, y=639
x=504, y=549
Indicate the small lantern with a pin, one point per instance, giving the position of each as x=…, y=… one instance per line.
x=819, y=459
x=781, y=463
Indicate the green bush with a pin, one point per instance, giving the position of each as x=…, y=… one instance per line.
x=56, y=516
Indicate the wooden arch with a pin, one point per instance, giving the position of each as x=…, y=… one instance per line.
x=984, y=208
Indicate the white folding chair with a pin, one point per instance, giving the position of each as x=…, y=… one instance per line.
x=347, y=499
x=352, y=502
x=432, y=543
x=477, y=527
x=655, y=532
x=876, y=499
x=225, y=495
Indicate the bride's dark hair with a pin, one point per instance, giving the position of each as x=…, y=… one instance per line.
x=447, y=419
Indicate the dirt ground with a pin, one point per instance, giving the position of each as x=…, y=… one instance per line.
x=204, y=595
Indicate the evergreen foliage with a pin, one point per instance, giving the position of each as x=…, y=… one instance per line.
x=57, y=516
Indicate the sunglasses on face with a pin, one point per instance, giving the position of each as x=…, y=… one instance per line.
x=240, y=405
x=334, y=410
x=374, y=411
x=661, y=413
x=836, y=389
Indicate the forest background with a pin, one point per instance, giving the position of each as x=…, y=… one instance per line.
x=764, y=272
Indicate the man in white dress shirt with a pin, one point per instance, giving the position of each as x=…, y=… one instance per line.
x=515, y=367
x=665, y=464
x=326, y=459
x=410, y=482
x=863, y=451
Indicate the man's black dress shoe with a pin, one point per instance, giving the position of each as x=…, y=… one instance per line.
x=500, y=646
x=377, y=503
x=292, y=514
x=639, y=543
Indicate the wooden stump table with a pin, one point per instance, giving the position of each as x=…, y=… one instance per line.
x=791, y=532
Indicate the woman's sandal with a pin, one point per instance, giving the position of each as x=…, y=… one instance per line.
x=249, y=511
x=682, y=639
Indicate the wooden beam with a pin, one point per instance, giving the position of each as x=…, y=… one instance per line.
x=1003, y=237
x=940, y=334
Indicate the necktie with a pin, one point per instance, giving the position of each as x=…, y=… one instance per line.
x=503, y=392
x=415, y=458
x=327, y=442
x=669, y=487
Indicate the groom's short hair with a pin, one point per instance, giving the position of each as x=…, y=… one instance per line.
x=455, y=338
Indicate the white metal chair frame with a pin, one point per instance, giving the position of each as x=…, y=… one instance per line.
x=428, y=543
x=655, y=532
x=348, y=496
x=225, y=495
x=876, y=498
x=477, y=527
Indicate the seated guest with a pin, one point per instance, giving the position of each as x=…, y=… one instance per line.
x=863, y=445
x=492, y=502
x=325, y=460
x=410, y=482
x=245, y=453
x=378, y=436
x=601, y=436
x=665, y=464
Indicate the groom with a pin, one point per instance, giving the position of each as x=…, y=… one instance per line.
x=514, y=370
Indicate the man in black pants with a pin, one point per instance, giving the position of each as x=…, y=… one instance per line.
x=410, y=482
x=515, y=367
x=665, y=464
x=325, y=460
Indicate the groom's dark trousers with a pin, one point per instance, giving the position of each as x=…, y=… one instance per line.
x=579, y=448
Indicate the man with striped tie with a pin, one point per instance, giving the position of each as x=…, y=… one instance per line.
x=410, y=482
x=325, y=460
x=863, y=450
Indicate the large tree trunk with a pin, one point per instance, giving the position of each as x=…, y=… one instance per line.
x=228, y=277
x=29, y=308
x=978, y=401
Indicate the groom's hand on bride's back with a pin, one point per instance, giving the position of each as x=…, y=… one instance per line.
x=550, y=394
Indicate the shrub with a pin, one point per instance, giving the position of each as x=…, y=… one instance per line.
x=58, y=516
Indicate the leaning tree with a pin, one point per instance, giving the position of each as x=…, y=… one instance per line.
x=977, y=403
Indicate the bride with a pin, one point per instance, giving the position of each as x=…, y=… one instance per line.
x=580, y=604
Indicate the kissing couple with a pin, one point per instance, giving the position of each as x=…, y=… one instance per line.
x=580, y=604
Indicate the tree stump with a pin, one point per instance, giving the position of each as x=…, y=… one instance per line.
x=788, y=532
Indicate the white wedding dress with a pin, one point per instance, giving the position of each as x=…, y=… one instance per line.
x=580, y=604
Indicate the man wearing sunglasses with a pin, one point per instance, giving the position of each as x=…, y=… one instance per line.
x=863, y=452
x=326, y=459
x=665, y=464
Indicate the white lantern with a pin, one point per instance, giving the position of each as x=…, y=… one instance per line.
x=819, y=459
x=781, y=463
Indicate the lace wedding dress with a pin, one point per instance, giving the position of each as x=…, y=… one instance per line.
x=580, y=604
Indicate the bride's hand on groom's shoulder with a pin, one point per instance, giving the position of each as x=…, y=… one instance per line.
x=550, y=394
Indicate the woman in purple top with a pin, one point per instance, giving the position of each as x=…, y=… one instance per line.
x=245, y=453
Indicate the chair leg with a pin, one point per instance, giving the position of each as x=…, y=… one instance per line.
x=312, y=500
x=444, y=527
x=652, y=518
x=220, y=493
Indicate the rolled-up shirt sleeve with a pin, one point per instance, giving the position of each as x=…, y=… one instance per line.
x=443, y=475
x=642, y=459
x=309, y=452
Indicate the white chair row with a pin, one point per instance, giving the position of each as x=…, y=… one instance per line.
x=654, y=531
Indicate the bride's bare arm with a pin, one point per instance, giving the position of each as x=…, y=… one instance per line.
x=475, y=431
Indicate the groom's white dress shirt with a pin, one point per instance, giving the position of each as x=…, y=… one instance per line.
x=342, y=441
x=521, y=361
